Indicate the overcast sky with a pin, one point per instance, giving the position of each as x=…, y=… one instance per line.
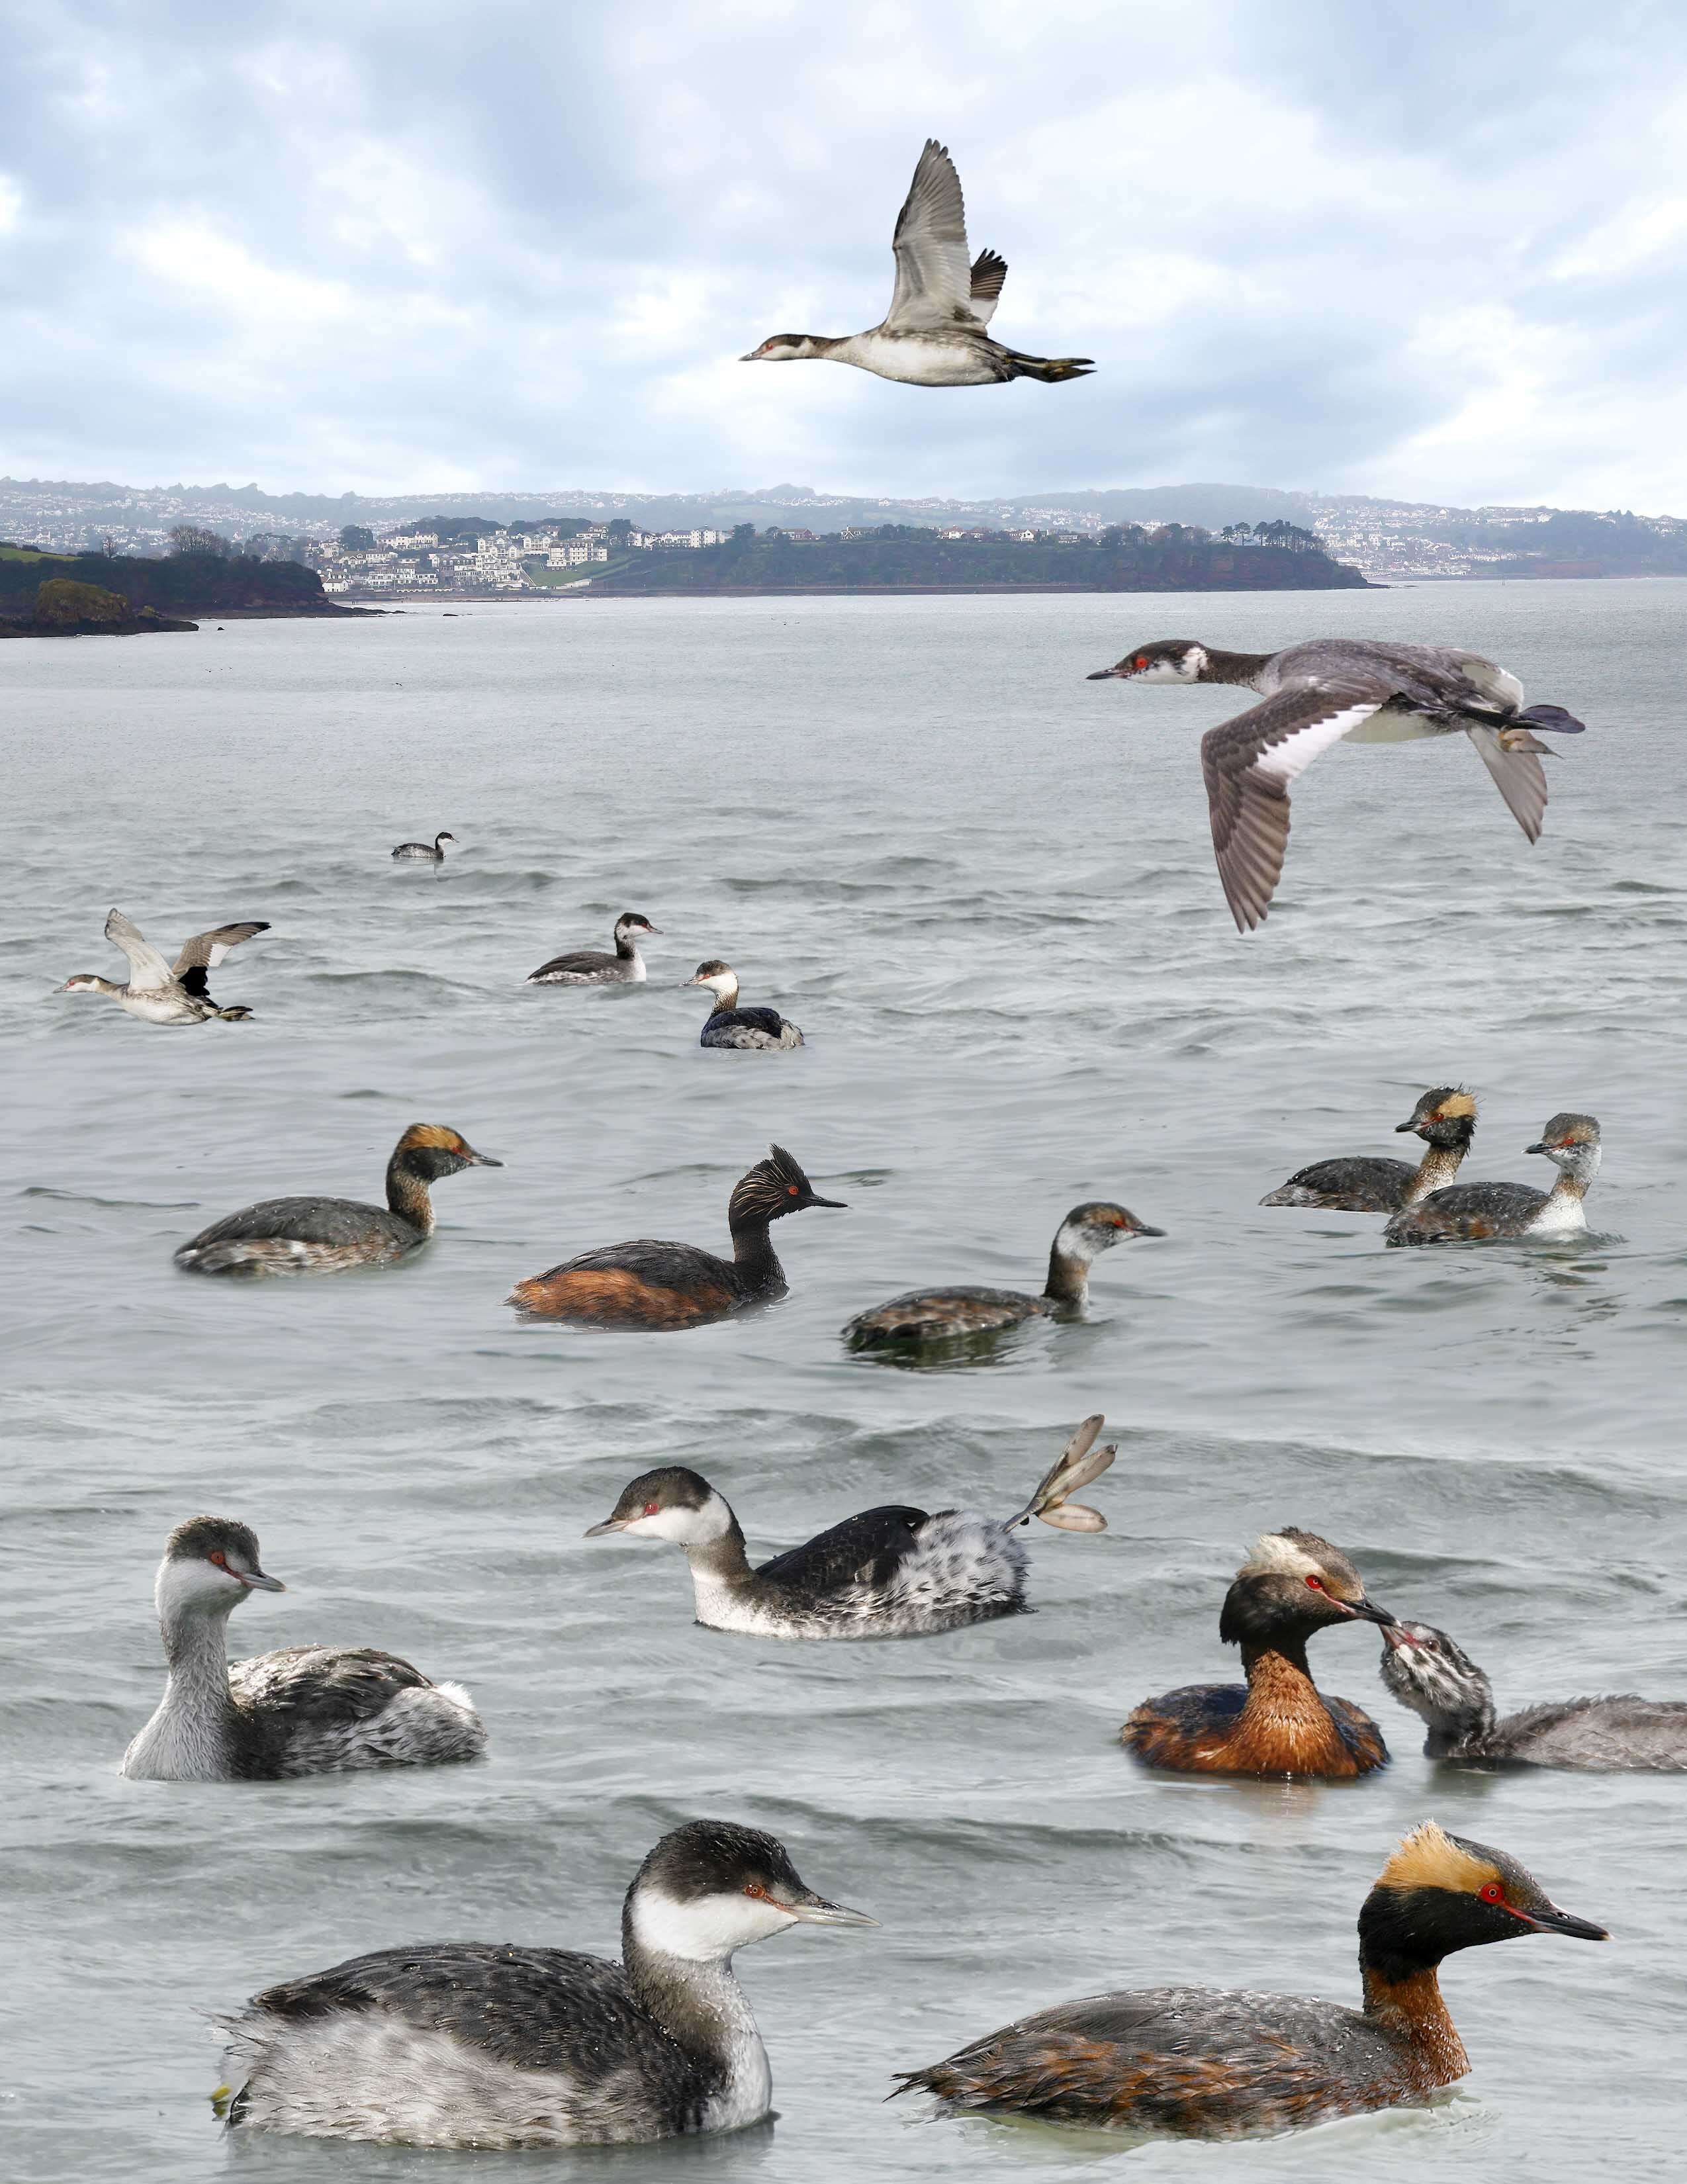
x=1426, y=250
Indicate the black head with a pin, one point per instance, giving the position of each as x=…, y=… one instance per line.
x=631, y=921
x=1096, y=1226
x=210, y=1564
x=1570, y=1142
x=774, y=1187
x=214, y=1538
x=1164, y=659
x=710, y=1888
x=438, y=838
x=1445, y=1116
x=1293, y=1583
x=1424, y=1670
x=1440, y=1892
x=667, y=1503
x=429, y=1150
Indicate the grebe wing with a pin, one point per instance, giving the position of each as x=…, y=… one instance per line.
x=933, y=278
x=649, y=1256
x=205, y=950
x=328, y=1686
x=148, y=972
x=301, y=1220
x=989, y=270
x=869, y=1547
x=1517, y=776
x=586, y=959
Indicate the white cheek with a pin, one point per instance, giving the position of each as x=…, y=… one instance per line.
x=192, y=1583
x=692, y=1527
x=707, y=1928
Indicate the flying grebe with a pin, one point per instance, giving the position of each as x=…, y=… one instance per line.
x=649, y=1283
x=1339, y=690
x=729, y=1025
x=1424, y=1670
x=935, y=1316
x=305, y=1710
x=1446, y=1120
x=1208, y=2063
x=488, y=2044
x=625, y=967
x=1469, y=1210
x=1292, y=1585
x=430, y=851
x=161, y=993
x=327, y=1235
x=890, y=1573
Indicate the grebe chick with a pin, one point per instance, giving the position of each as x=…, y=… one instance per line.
x=1339, y=689
x=1424, y=1670
x=162, y=993
x=1446, y=1120
x=650, y=1283
x=935, y=1316
x=305, y=1710
x=1209, y=2063
x=430, y=851
x=729, y=1025
x=327, y=1235
x=625, y=967
x=1292, y=1585
x=1467, y=1212
x=889, y=1572
x=488, y=2044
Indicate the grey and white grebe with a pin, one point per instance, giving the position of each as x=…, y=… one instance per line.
x=1361, y=1182
x=162, y=993
x=730, y=1026
x=496, y=2045
x=1467, y=1212
x=888, y=1572
x=305, y=1710
x=328, y=1235
x=933, y=333
x=590, y=967
x=1292, y=1585
x=951, y=1315
x=1426, y=1672
x=1209, y=2063
x=1339, y=689
x=431, y=851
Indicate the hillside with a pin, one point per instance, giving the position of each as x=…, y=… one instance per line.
x=191, y=586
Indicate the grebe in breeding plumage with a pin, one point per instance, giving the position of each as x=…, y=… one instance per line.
x=936, y=1315
x=163, y=992
x=1292, y=1585
x=729, y=1025
x=327, y=1235
x=1339, y=689
x=1210, y=2063
x=1468, y=1211
x=1446, y=1120
x=1424, y=1670
x=649, y=1283
x=890, y=1573
x=488, y=2044
x=305, y=1710
x=430, y=851
x=625, y=967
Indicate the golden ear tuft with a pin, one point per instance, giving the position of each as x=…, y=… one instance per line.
x=1459, y=1107
x=1429, y=1857
x=438, y=1135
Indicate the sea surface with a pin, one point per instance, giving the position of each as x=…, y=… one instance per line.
x=984, y=888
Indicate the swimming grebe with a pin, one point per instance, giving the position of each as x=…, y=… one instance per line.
x=161, y=993
x=430, y=851
x=1468, y=1211
x=1292, y=1585
x=933, y=333
x=1424, y=1670
x=1209, y=2062
x=890, y=1573
x=625, y=967
x=729, y=1025
x=495, y=2044
x=305, y=1710
x=1446, y=1120
x=649, y=1283
x=1339, y=689
x=327, y=1235
x=935, y=1315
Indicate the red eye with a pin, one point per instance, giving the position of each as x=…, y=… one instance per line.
x=753, y=1888
x=790, y=1190
x=216, y=1556
x=1493, y=1893
x=1316, y=1584
x=653, y=1508
x=1141, y=660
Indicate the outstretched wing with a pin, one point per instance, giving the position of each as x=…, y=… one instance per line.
x=989, y=270
x=933, y=278
x=148, y=972
x=205, y=950
x=1248, y=763
x=1516, y=776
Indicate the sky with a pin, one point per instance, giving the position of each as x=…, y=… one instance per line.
x=1426, y=250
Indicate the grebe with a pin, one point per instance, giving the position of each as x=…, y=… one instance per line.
x=1469, y=1210
x=625, y=967
x=890, y=1573
x=935, y=1316
x=1339, y=689
x=729, y=1025
x=161, y=993
x=1424, y=1670
x=495, y=2044
x=430, y=851
x=305, y=1710
x=933, y=333
x=649, y=1283
x=1209, y=2063
x=1446, y=1120
x=327, y=1235
x=1292, y=1585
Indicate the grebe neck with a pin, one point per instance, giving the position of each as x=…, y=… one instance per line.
x=1237, y=667
x=700, y=2006
x=754, y=1258
x=407, y=1194
x=1405, y=2000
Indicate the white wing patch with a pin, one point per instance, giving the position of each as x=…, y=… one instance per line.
x=148, y=972
x=1290, y=758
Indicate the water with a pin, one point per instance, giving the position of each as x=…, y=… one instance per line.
x=983, y=888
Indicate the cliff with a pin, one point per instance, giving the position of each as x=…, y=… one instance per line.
x=64, y=608
x=205, y=586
